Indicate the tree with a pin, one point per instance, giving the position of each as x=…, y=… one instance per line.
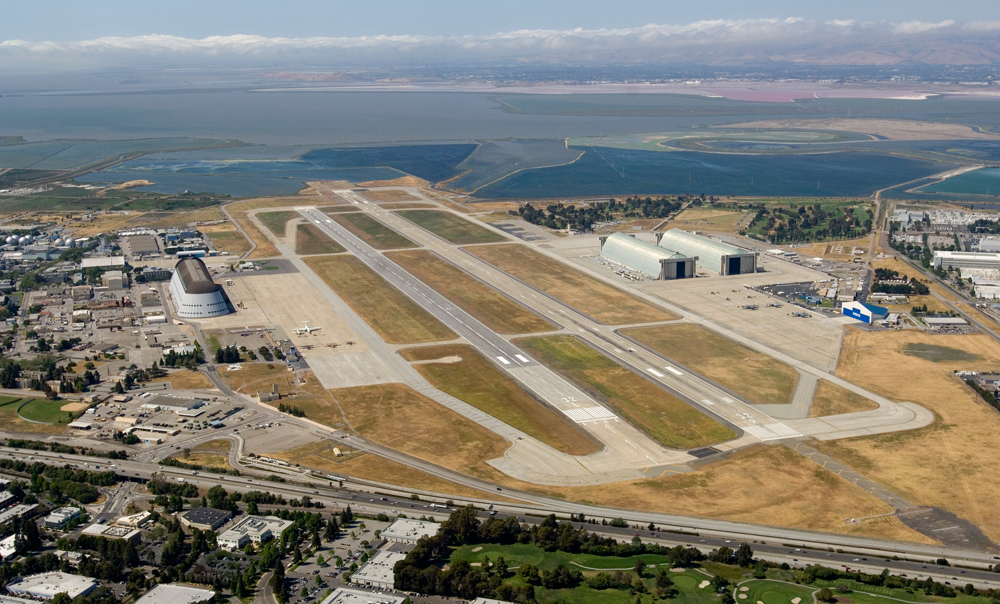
x=825, y=595
x=744, y=555
x=640, y=566
x=28, y=538
x=277, y=582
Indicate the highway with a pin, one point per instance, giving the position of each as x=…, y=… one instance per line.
x=865, y=555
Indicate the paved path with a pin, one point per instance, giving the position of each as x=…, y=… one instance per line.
x=850, y=475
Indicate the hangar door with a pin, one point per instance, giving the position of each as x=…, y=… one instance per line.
x=734, y=266
x=681, y=266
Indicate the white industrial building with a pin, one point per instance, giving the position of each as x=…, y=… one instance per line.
x=252, y=529
x=710, y=254
x=172, y=593
x=346, y=595
x=962, y=260
x=378, y=571
x=195, y=294
x=408, y=530
x=45, y=586
x=59, y=518
x=103, y=262
x=656, y=261
x=989, y=244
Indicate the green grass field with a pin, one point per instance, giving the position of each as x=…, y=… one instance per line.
x=495, y=310
x=373, y=232
x=751, y=374
x=276, y=221
x=310, y=240
x=395, y=317
x=775, y=592
x=477, y=382
x=669, y=420
x=46, y=411
x=229, y=241
x=459, y=231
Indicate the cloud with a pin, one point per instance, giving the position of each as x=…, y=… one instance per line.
x=810, y=41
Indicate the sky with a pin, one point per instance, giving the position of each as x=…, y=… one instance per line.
x=70, y=20
x=70, y=34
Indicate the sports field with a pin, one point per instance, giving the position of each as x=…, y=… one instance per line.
x=831, y=399
x=669, y=420
x=457, y=230
x=373, y=232
x=10, y=418
x=604, y=303
x=276, y=221
x=396, y=416
x=477, y=382
x=395, y=317
x=46, y=411
x=309, y=239
x=751, y=374
x=949, y=464
x=495, y=310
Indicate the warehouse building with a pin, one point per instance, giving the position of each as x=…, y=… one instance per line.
x=866, y=313
x=344, y=595
x=194, y=293
x=408, y=530
x=962, y=260
x=378, y=571
x=713, y=255
x=172, y=593
x=45, y=586
x=656, y=261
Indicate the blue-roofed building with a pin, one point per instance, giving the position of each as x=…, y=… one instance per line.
x=866, y=313
x=656, y=261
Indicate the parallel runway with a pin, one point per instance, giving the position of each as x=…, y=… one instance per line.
x=625, y=446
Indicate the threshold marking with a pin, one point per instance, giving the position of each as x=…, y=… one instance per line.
x=504, y=361
x=521, y=358
x=675, y=371
x=654, y=372
x=707, y=402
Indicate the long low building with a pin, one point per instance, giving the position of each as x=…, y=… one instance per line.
x=409, y=530
x=345, y=595
x=378, y=571
x=653, y=260
x=195, y=294
x=961, y=260
x=710, y=254
x=172, y=593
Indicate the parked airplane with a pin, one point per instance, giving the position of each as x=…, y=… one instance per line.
x=306, y=330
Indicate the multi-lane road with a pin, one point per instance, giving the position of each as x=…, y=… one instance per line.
x=795, y=548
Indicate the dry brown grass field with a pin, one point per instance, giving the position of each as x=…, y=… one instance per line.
x=396, y=416
x=213, y=454
x=751, y=374
x=396, y=318
x=769, y=485
x=933, y=304
x=604, y=303
x=390, y=195
x=706, y=219
x=229, y=241
x=669, y=420
x=495, y=310
x=949, y=464
x=831, y=399
x=828, y=249
x=368, y=466
x=185, y=379
x=309, y=239
x=240, y=209
x=259, y=376
x=167, y=219
x=477, y=382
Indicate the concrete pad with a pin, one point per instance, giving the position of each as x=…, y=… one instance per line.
x=352, y=369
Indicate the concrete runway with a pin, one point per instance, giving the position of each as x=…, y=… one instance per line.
x=625, y=446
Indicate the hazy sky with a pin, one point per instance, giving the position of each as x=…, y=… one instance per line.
x=69, y=20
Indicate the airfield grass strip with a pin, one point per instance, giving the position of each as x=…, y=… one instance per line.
x=452, y=228
x=276, y=221
x=751, y=374
x=310, y=240
x=603, y=302
x=496, y=311
x=395, y=317
x=667, y=419
x=476, y=381
x=372, y=232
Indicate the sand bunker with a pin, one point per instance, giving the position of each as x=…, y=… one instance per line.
x=704, y=584
x=74, y=407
